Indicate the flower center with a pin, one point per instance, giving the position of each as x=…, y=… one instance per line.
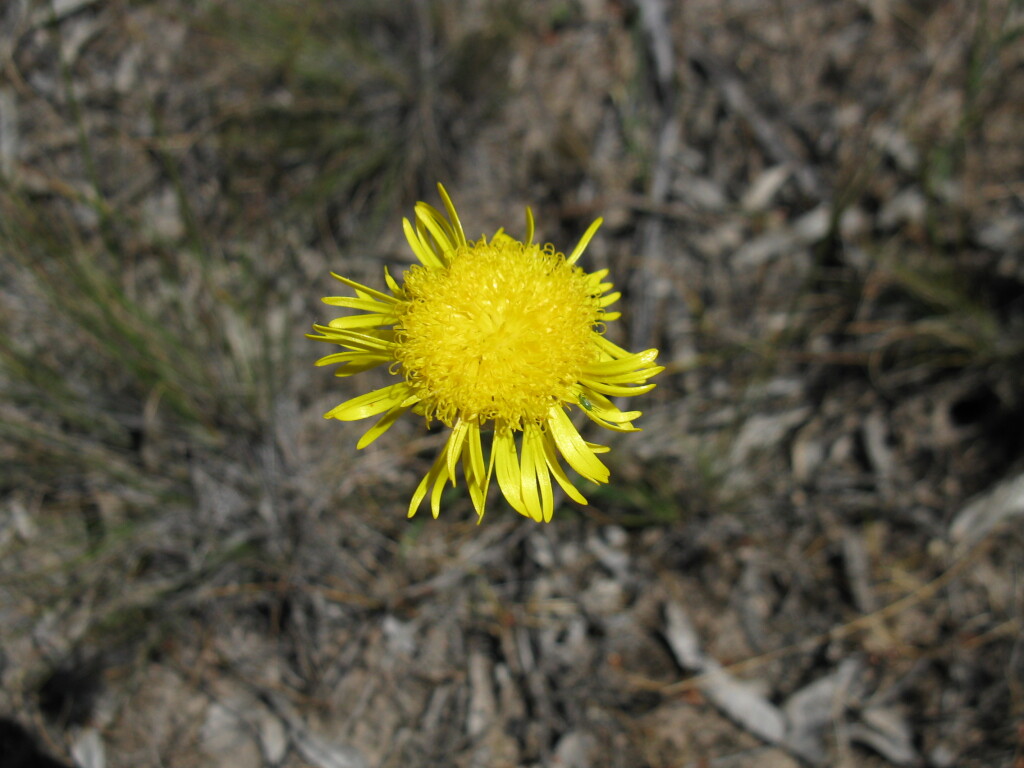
x=501, y=333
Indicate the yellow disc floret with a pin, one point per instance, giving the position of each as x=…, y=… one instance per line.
x=502, y=332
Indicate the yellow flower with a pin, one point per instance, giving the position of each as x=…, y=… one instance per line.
x=492, y=334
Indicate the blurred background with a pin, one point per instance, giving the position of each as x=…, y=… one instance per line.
x=812, y=554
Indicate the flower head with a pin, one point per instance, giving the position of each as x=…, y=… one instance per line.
x=491, y=335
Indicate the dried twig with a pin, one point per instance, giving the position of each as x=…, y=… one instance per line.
x=774, y=137
x=921, y=594
x=648, y=290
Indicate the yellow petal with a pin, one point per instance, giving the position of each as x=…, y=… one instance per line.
x=614, y=351
x=478, y=476
x=440, y=229
x=378, y=341
x=604, y=409
x=534, y=440
x=528, y=479
x=624, y=364
x=618, y=390
x=425, y=483
x=362, y=321
x=578, y=250
x=555, y=467
x=574, y=449
x=393, y=286
x=624, y=426
x=626, y=377
x=419, y=246
x=351, y=369
x=363, y=290
x=453, y=217
x=370, y=404
x=383, y=425
x=435, y=495
x=362, y=304
x=354, y=356
x=506, y=464
x=453, y=448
